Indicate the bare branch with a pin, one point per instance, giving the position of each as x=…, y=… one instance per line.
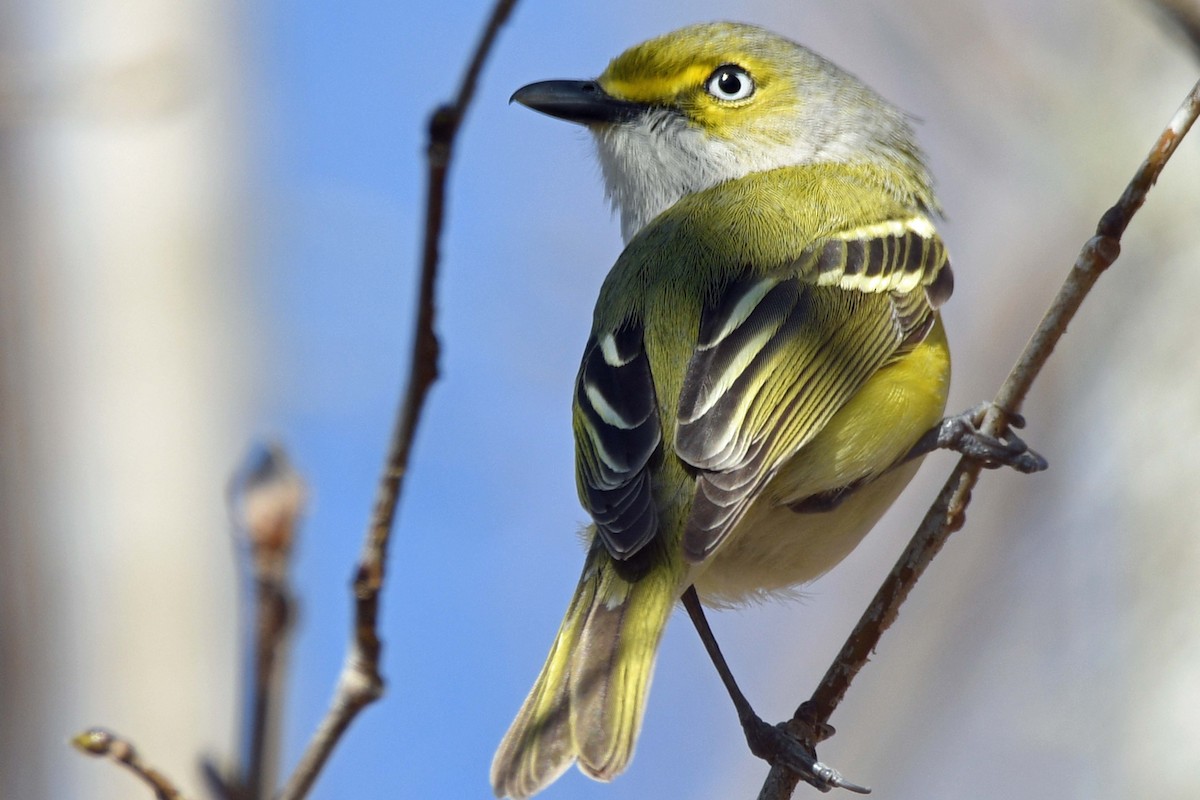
x=360, y=682
x=101, y=743
x=947, y=514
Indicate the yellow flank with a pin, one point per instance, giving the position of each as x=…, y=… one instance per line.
x=774, y=547
x=875, y=428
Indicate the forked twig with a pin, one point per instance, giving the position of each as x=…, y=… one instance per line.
x=360, y=682
x=947, y=514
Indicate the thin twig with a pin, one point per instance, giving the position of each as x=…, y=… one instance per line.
x=105, y=744
x=360, y=682
x=266, y=501
x=947, y=514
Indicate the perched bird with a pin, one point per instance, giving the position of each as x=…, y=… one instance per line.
x=764, y=355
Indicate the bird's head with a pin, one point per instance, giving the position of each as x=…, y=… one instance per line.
x=714, y=102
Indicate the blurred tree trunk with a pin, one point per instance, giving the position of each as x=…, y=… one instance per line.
x=122, y=360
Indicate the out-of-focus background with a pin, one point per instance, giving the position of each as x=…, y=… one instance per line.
x=209, y=221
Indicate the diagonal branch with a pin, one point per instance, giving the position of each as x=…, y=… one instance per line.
x=947, y=514
x=360, y=682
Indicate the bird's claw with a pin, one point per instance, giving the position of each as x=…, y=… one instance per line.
x=962, y=434
x=776, y=745
x=834, y=780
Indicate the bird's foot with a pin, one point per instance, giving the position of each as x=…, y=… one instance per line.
x=777, y=745
x=961, y=433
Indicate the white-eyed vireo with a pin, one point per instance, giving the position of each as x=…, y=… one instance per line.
x=764, y=354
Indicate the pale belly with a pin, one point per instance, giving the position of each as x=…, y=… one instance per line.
x=776, y=548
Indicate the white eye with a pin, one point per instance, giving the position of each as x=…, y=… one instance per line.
x=730, y=82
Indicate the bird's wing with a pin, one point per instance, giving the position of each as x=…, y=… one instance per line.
x=779, y=354
x=617, y=431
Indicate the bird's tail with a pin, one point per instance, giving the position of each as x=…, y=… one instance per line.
x=588, y=701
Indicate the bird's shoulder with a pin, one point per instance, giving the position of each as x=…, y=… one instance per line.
x=762, y=222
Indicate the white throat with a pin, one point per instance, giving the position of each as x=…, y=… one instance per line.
x=650, y=163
